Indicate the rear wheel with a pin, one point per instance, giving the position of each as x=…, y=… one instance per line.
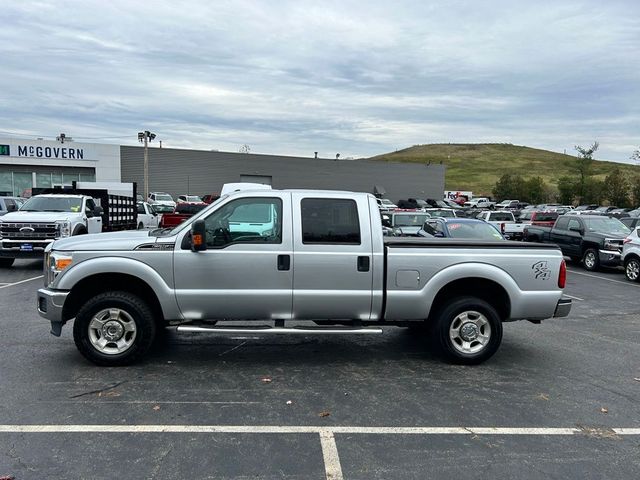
x=468, y=330
x=632, y=269
x=6, y=262
x=590, y=260
x=114, y=329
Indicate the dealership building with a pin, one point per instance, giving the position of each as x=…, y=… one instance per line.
x=25, y=164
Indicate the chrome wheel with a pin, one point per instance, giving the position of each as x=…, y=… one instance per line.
x=470, y=332
x=590, y=260
x=112, y=331
x=633, y=270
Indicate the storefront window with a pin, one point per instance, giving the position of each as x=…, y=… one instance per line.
x=69, y=177
x=22, y=181
x=6, y=182
x=87, y=177
x=56, y=179
x=43, y=180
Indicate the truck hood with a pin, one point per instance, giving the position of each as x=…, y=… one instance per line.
x=114, y=241
x=36, y=217
x=614, y=236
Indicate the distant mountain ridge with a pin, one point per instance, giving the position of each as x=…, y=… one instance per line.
x=478, y=166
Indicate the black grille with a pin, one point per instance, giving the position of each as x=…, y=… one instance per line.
x=28, y=231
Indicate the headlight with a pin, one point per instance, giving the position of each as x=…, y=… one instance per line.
x=64, y=228
x=58, y=262
x=611, y=245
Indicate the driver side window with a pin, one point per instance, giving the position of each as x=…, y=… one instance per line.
x=245, y=220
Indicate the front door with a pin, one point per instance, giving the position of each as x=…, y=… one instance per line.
x=246, y=271
x=94, y=222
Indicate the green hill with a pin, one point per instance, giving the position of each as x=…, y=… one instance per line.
x=477, y=167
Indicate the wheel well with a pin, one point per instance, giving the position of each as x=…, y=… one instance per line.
x=587, y=246
x=630, y=256
x=105, y=282
x=488, y=290
x=79, y=230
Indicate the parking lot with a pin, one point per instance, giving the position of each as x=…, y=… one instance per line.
x=558, y=400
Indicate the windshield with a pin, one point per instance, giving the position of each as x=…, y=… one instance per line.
x=479, y=230
x=52, y=204
x=386, y=201
x=167, y=232
x=164, y=197
x=191, y=198
x=163, y=208
x=606, y=225
x=410, y=220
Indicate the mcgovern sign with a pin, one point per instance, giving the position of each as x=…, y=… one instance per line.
x=48, y=152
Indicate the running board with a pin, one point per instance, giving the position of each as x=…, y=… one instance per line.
x=280, y=330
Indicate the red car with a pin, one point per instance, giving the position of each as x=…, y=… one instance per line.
x=182, y=211
x=544, y=219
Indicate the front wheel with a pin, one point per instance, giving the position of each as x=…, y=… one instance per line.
x=6, y=262
x=632, y=269
x=590, y=260
x=469, y=330
x=114, y=329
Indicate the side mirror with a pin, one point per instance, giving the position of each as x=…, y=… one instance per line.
x=11, y=208
x=198, y=236
x=98, y=211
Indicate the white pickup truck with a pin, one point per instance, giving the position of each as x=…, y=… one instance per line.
x=254, y=261
x=504, y=221
x=480, y=202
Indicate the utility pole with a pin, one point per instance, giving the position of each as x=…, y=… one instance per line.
x=145, y=137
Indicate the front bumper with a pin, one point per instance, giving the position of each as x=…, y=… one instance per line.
x=563, y=307
x=23, y=249
x=50, y=305
x=610, y=258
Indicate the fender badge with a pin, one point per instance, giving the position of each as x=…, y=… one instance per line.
x=541, y=270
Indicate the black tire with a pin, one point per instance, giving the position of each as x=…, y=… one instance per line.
x=6, y=262
x=479, y=311
x=632, y=269
x=140, y=226
x=135, y=310
x=590, y=260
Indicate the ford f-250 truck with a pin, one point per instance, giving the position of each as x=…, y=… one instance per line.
x=314, y=257
x=595, y=240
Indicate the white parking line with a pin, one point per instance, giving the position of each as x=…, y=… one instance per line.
x=332, y=467
x=21, y=281
x=604, y=278
x=575, y=298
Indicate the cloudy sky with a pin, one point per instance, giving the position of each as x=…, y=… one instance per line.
x=294, y=77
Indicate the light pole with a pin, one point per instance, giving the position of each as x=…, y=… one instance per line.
x=145, y=137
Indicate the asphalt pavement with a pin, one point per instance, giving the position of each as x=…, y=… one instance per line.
x=558, y=400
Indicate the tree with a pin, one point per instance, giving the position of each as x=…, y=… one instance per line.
x=635, y=156
x=535, y=190
x=616, y=188
x=566, y=190
x=635, y=190
x=583, y=166
x=593, y=191
x=509, y=187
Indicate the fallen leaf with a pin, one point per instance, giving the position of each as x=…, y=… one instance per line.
x=324, y=414
x=637, y=379
x=112, y=394
x=156, y=407
x=604, y=410
x=543, y=396
x=289, y=402
x=266, y=380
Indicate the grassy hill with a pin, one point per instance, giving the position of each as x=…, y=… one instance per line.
x=477, y=167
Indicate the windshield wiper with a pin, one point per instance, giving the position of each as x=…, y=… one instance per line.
x=54, y=210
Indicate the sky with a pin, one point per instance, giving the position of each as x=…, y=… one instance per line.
x=358, y=78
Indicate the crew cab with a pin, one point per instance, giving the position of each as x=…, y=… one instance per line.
x=254, y=261
x=480, y=202
x=147, y=216
x=595, y=240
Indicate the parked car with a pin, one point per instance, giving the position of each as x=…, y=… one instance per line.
x=162, y=202
x=451, y=204
x=188, y=199
x=606, y=210
x=544, y=219
x=505, y=222
x=595, y=240
x=480, y=202
x=385, y=204
x=408, y=223
x=631, y=255
x=302, y=256
x=508, y=205
x=10, y=204
x=412, y=204
x=182, y=212
x=469, y=228
x=620, y=212
x=591, y=206
x=210, y=198
x=631, y=222
x=441, y=212
x=147, y=216
x=635, y=213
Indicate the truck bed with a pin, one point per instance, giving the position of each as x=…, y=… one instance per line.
x=416, y=242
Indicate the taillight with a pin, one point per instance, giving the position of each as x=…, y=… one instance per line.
x=562, y=276
x=627, y=240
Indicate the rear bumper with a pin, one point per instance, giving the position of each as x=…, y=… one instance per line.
x=50, y=305
x=563, y=307
x=610, y=258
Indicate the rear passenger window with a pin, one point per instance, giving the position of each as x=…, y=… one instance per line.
x=330, y=221
x=562, y=223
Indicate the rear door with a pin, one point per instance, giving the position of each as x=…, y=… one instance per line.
x=332, y=256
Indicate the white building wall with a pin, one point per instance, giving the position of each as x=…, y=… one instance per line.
x=45, y=153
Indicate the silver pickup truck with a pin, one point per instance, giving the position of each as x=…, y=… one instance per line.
x=293, y=261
